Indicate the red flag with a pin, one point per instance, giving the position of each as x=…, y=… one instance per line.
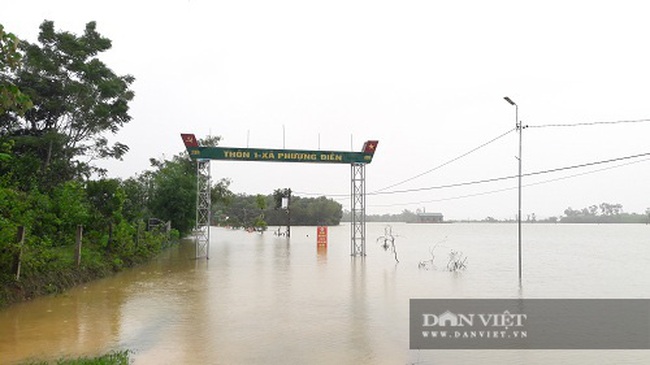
x=369, y=147
x=189, y=140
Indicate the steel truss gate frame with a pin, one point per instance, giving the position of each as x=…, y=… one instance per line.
x=203, y=208
x=358, y=209
x=203, y=156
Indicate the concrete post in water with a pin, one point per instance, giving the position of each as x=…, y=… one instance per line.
x=20, y=239
x=78, y=239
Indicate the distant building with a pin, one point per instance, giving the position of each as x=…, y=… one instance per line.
x=429, y=217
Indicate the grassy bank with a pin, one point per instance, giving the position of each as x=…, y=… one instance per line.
x=52, y=270
x=112, y=358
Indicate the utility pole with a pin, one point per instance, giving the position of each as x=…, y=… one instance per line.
x=288, y=212
x=519, y=128
x=283, y=201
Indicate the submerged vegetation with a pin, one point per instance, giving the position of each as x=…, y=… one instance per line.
x=57, y=103
x=112, y=358
x=455, y=260
x=62, y=222
x=387, y=241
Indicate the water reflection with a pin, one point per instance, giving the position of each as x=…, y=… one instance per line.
x=321, y=255
x=359, y=335
x=82, y=321
x=263, y=299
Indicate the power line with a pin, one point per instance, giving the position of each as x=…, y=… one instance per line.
x=508, y=189
x=475, y=182
x=382, y=190
x=588, y=124
x=321, y=194
x=448, y=162
x=495, y=179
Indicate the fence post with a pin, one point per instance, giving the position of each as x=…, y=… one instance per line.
x=78, y=238
x=20, y=239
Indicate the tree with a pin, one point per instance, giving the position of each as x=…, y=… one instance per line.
x=136, y=202
x=170, y=189
x=77, y=101
x=602, y=213
x=305, y=211
x=260, y=224
x=569, y=212
x=279, y=195
x=69, y=208
x=593, y=210
x=107, y=199
x=610, y=209
x=173, y=192
x=11, y=98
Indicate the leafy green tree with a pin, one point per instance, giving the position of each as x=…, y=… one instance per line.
x=209, y=141
x=70, y=207
x=173, y=192
x=221, y=197
x=171, y=189
x=315, y=211
x=107, y=200
x=77, y=101
x=15, y=210
x=278, y=195
x=136, y=202
x=260, y=224
x=246, y=211
x=5, y=154
x=11, y=98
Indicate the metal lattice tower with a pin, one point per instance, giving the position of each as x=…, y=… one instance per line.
x=358, y=188
x=203, y=203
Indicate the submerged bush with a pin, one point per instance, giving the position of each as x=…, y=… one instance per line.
x=112, y=358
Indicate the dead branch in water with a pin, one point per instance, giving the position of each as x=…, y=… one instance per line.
x=457, y=261
x=387, y=241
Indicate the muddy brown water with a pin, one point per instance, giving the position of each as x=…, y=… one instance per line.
x=263, y=299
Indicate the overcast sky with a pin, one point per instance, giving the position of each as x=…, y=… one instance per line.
x=425, y=78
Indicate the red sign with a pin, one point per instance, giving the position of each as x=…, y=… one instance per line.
x=321, y=236
x=370, y=147
x=189, y=140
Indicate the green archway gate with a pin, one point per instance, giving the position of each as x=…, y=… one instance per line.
x=356, y=160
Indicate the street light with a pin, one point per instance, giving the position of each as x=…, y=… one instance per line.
x=520, y=129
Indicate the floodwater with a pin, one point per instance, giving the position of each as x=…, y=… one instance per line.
x=263, y=299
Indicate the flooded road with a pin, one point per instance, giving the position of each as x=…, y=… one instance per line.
x=263, y=299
